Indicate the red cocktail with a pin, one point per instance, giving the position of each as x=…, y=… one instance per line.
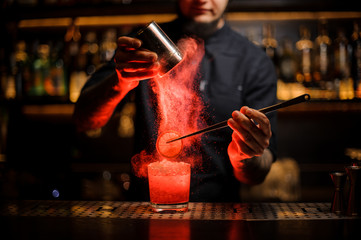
x=169, y=184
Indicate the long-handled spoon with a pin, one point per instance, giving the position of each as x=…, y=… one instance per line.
x=223, y=124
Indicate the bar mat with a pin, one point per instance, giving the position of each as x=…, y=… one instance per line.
x=197, y=211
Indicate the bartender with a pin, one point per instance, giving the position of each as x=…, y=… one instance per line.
x=237, y=78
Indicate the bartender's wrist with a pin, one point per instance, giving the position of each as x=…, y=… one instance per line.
x=264, y=161
x=120, y=84
x=253, y=170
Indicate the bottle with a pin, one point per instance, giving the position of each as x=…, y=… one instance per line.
x=287, y=62
x=287, y=87
x=57, y=71
x=22, y=70
x=72, y=41
x=91, y=50
x=41, y=67
x=342, y=66
x=304, y=47
x=322, y=58
x=356, y=59
x=78, y=77
x=76, y=60
x=269, y=43
x=108, y=45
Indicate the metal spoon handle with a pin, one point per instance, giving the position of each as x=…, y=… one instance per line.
x=293, y=101
x=223, y=124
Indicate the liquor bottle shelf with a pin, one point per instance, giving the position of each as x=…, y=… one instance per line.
x=112, y=20
x=32, y=24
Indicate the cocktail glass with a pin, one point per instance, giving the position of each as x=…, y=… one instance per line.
x=169, y=184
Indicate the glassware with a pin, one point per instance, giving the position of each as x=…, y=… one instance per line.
x=169, y=184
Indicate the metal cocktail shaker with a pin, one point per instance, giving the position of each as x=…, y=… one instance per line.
x=154, y=39
x=338, y=203
x=354, y=199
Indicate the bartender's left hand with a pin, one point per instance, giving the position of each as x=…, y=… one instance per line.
x=251, y=134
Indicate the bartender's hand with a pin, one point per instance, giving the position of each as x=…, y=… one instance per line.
x=248, y=148
x=134, y=63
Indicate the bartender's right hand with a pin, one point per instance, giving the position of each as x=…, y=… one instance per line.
x=134, y=63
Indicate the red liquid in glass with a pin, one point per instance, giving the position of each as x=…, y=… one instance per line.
x=169, y=182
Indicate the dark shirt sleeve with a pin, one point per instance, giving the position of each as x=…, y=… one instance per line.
x=102, y=73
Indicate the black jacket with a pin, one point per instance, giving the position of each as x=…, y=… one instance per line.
x=234, y=73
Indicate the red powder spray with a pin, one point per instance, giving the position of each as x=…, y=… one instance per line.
x=179, y=106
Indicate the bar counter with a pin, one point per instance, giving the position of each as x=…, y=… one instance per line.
x=45, y=219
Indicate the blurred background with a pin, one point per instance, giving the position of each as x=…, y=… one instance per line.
x=49, y=48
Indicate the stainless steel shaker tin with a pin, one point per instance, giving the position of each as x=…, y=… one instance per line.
x=154, y=39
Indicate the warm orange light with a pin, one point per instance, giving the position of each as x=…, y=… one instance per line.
x=254, y=16
x=124, y=19
x=145, y=18
x=165, y=230
x=47, y=22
